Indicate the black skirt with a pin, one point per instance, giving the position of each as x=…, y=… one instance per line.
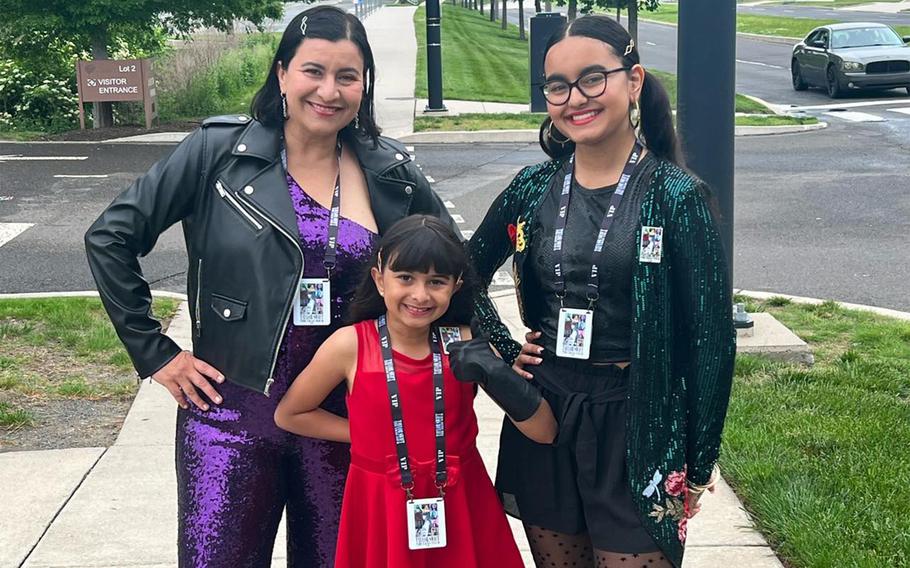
x=579, y=483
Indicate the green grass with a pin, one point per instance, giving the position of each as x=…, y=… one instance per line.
x=531, y=121
x=755, y=24
x=480, y=61
x=13, y=417
x=774, y=120
x=21, y=135
x=480, y=121
x=225, y=87
x=75, y=334
x=820, y=455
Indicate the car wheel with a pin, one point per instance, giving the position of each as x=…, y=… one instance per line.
x=798, y=83
x=834, y=90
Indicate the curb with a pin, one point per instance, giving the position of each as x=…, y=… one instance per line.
x=83, y=294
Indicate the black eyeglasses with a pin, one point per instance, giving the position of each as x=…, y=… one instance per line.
x=591, y=85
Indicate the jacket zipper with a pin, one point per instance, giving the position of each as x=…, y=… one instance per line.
x=235, y=204
x=198, y=299
x=290, y=303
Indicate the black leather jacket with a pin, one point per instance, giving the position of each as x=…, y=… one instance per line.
x=226, y=183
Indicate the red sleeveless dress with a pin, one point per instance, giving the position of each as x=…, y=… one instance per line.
x=373, y=531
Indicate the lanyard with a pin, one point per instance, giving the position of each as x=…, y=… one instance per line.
x=561, y=220
x=331, y=245
x=401, y=447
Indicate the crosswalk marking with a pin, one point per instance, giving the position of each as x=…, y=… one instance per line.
x=503, y=278
x=9, y=231
x=430, y=179
x=449, y=205
x=80, y=176
x=20, y=158
x=853, y=116
x=904, y=110
x=457, y=218
x=467, y=233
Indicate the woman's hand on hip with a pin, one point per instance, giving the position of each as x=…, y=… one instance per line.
x=530, y=355
x=184, y=374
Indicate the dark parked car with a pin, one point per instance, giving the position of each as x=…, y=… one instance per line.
x=843, y=57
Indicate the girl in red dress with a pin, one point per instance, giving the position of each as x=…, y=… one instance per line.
x=417, y=494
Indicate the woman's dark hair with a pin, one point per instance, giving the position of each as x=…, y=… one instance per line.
x=418, y=243
x=322, y=22
x=656, y=112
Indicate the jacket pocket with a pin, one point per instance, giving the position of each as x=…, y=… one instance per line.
x=228, y=309
x=233, y=203
x=198, y=304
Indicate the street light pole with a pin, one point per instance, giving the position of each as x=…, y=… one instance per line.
x=434, y=57
x=706, y=67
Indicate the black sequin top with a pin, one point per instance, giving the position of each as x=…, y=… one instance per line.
x=682, y=340
x=612, y=331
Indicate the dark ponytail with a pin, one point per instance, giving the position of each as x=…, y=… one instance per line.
x=656, y=126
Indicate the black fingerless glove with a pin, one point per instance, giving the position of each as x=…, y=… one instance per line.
x=474, y=361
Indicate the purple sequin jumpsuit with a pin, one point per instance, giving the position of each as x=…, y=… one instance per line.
x=236, y=470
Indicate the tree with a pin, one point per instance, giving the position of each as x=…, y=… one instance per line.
x=505, y=21
x=101, y=26
x=521, y=19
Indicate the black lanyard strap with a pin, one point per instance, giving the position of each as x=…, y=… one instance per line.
x=562, y=218
x=401, y=447
x=331, y=245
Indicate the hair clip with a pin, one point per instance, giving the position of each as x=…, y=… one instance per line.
x=629, y=48
x=303, y=25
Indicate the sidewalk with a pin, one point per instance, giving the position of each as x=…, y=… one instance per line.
x=113, y=507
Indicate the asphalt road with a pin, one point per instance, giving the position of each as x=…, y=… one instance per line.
x=822, y=13
x=824, y=214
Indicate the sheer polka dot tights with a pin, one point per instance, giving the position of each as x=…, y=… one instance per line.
x=558, y=550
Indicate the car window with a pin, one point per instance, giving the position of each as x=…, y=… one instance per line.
x=823, y=37
x=865, y=37
x=813, y=36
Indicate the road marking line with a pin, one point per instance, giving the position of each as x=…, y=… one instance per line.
x=852, y=116
x=467, y=233
x=650, y=43
x=20, y=158
x=449, y=205
x=9, y=231
x=410, y=149
x=457, y=218
x=831, y=106
x=6, y=197
x=503, y=278
x=904, y=110
x=760, y=64
x=430, y=179
x=80, y=175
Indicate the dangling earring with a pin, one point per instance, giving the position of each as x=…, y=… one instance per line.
x=284, y=106
x=635, y=114
x=356, y=122
x=550, y=135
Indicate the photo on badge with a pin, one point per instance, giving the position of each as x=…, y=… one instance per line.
x=651, y=246
x=448, y=335
x=426, y=524
x=574, y=333
x=311, y=306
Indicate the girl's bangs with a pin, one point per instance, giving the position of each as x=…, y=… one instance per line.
x=423, y=250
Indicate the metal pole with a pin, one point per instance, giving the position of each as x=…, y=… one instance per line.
x=706, y=67
x=434, y=57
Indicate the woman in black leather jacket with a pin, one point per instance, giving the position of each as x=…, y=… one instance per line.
x=260, y=201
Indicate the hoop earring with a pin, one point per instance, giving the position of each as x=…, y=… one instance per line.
x=284, y=106
x=562, y=142
x=635, y=114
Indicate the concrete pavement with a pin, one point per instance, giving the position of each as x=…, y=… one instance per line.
x=112, y=507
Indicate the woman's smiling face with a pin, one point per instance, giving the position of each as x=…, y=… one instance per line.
x=590, y=120
x=323, y=83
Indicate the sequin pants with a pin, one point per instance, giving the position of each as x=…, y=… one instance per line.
x=236, y=472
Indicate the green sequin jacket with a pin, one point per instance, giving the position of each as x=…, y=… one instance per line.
x=683, y=341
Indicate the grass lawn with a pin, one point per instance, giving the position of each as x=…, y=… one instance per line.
x=62, y=347
x=480, y=61
x=764, y=25
x=820, y=455
x=20, y=135
x=506, y=121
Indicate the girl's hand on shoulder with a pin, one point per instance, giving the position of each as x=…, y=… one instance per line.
x=530, y=355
